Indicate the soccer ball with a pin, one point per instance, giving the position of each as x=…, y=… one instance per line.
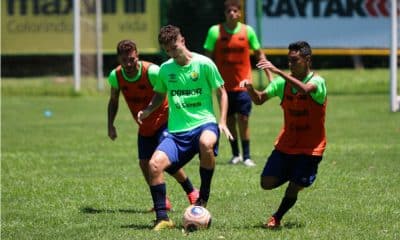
x=196, y=218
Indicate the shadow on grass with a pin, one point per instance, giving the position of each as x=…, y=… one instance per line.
x=293, y=225
x=285, y=225
x=91, y=210
x=137, y=226
x=149, y=227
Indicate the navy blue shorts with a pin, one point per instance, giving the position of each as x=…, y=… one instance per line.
x=181, y=147
x=147, y=145
x=298, y=168
x=239, y=102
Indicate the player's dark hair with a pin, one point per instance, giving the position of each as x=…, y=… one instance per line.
x=236, y=3
x=126, y=46
x=302, y=47
x=168, y=34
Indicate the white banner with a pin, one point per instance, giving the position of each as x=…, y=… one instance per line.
x=323, y=23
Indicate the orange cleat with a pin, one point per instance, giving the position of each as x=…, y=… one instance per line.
x=193, y=196
x=273, y=223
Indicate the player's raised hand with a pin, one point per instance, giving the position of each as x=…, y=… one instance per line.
x=265, y=65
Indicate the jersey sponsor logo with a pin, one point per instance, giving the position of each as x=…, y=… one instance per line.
x=186, y=92
x=187, y=105
x=194, y=76
x=172, y=77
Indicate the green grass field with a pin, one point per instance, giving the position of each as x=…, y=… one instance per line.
x=62, y=178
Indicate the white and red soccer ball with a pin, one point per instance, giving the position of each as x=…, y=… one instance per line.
x=196, y=218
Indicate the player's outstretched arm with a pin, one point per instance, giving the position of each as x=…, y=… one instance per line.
x=257, y=97
x=259, y=54
x=223, y=108
x=298, y=84
x=112, y=113
x=155, y=102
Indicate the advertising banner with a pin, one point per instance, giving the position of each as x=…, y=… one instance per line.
x=333, y=24
x=46, y=27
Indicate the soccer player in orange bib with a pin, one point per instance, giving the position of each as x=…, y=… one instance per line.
x=302, y=140
x=229, y=44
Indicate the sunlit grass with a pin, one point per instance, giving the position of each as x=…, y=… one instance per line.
x=62, y=178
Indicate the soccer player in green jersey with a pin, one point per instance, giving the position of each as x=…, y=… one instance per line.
x=135, y=80
x=230, y=44
x=301, y=143
x=188, y=80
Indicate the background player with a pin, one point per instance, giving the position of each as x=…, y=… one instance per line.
x=229, y=44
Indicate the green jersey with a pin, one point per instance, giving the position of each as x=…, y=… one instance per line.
x=189, y=89
x=152, y=72
x=277, y=87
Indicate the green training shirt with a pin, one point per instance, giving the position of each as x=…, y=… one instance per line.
x=152, y=72
x=277, y=87
x=189, y=89
x=213, y=34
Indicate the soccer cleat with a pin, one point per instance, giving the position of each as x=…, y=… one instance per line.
x=168, y=205
x=249, y=163
x=162, y=224
x=200, y=202
x=273, y=223
x=235, y=160
x=193, y=196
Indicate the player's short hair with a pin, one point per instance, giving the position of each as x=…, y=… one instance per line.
x=236, y=3
x=168, y=34
x=302, y=47
x=126, y=46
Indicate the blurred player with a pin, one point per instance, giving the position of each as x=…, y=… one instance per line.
x=188, y=79
x=229, y=44
x=135, y=79
x=302, y=140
